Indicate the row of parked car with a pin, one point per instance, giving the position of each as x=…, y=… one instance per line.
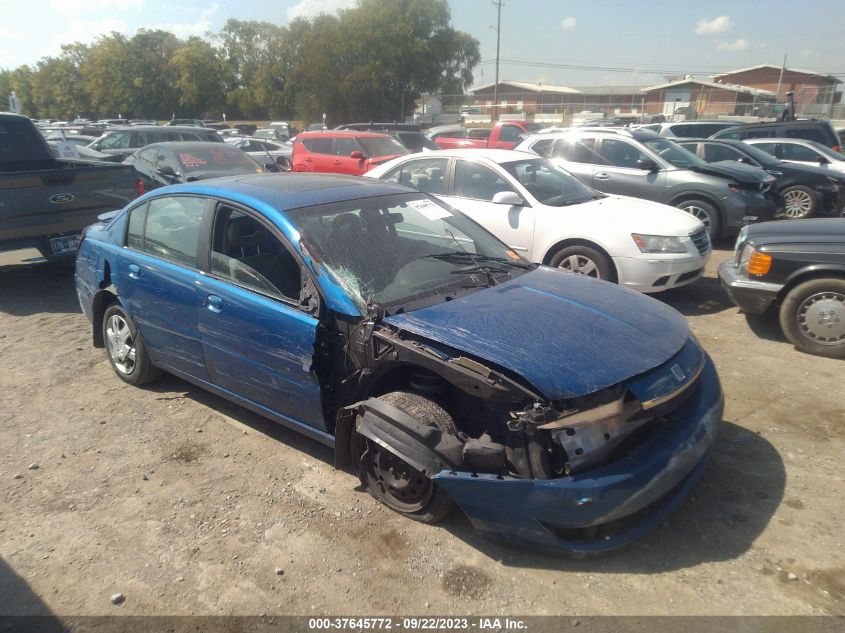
x=721, y=184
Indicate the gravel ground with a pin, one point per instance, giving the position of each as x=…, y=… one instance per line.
x=187, y=504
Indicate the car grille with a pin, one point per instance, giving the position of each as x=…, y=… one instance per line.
x=702, y=241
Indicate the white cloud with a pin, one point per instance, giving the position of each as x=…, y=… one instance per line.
x=737, y=45
x=82, y=6
x=197, y=28
x=568, y=24
x=312, y=8
x=85, y=31
x=716, y=25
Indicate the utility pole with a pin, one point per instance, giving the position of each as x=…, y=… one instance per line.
x=780, y=79
x=498, y=5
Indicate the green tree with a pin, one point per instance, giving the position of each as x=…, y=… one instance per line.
x=201, y=78
x=372, y=61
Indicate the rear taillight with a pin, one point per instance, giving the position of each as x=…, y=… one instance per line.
x=139, y=187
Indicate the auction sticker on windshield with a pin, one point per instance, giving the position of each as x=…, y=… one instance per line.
x=429, y=209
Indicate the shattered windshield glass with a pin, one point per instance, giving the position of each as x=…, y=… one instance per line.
x=393, y=250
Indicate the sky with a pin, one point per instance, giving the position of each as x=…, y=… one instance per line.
x=622, y=42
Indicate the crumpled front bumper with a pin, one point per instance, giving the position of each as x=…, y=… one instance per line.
x=606, y=507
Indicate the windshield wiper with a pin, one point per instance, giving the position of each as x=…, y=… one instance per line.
x=465, y=256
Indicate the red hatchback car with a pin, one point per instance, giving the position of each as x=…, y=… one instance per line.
x=343, y=152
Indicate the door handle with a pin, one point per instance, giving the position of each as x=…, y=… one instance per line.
x=214, y=303
x=337, y=162
x=308, y=160
x=134, y=271
x=602, y=176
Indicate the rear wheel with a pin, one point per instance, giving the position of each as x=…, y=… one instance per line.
x=799, y=202
x=125, y=349
x=395, y=483
x=583, y=260
x=812, y=317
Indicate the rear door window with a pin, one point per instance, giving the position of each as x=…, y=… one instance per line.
x=172, y=228
x=425, y=174
x=345, y=146
x=318, y=145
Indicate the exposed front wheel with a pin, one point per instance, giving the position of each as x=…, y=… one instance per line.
x=799, y=202
x=705, y=212
x=392, y=481
x=813, y=317
x=125, y=349
x=583, y=260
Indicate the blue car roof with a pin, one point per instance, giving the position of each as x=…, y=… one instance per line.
x=289, y=191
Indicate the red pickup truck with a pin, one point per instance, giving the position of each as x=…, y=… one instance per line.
x=504, y=135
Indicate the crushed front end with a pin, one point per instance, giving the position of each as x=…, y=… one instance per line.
x=606, y=468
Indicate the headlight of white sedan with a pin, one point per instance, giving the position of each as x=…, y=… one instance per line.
x=659, y=243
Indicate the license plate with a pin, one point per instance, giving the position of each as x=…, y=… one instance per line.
x=64, y=244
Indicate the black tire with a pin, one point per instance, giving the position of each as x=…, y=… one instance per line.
x=705, y=212
x=584, y=260
x=812, y=317
x=799, y=202
x=120, y=333
x=414, y=495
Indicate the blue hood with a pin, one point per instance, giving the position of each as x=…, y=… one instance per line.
x=567, y=335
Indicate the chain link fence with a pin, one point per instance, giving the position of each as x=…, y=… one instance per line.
x=563, y=106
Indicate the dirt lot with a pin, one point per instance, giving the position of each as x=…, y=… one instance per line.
x=187, y=504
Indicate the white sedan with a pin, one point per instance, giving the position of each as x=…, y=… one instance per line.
x=550, y=217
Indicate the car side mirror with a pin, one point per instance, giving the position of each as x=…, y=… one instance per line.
x=823, y=161
x=166, y=170
x=272, y=167
x=746, y=160
x=646, y=164
x=357, y=154
x=510, y=198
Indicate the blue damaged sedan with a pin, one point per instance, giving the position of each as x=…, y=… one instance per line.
x=556, y=411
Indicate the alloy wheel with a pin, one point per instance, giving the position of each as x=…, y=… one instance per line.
x=580, y=265
x=121, y=344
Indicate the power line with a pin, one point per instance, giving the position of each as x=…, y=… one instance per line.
x=646, y=69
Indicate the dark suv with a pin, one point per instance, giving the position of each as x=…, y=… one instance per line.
x=810, y=130
x=121, y=142
x=642, y=164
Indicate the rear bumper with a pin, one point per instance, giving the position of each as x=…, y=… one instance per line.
x=606, y=507
x=753, y=297
x=42, y=244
